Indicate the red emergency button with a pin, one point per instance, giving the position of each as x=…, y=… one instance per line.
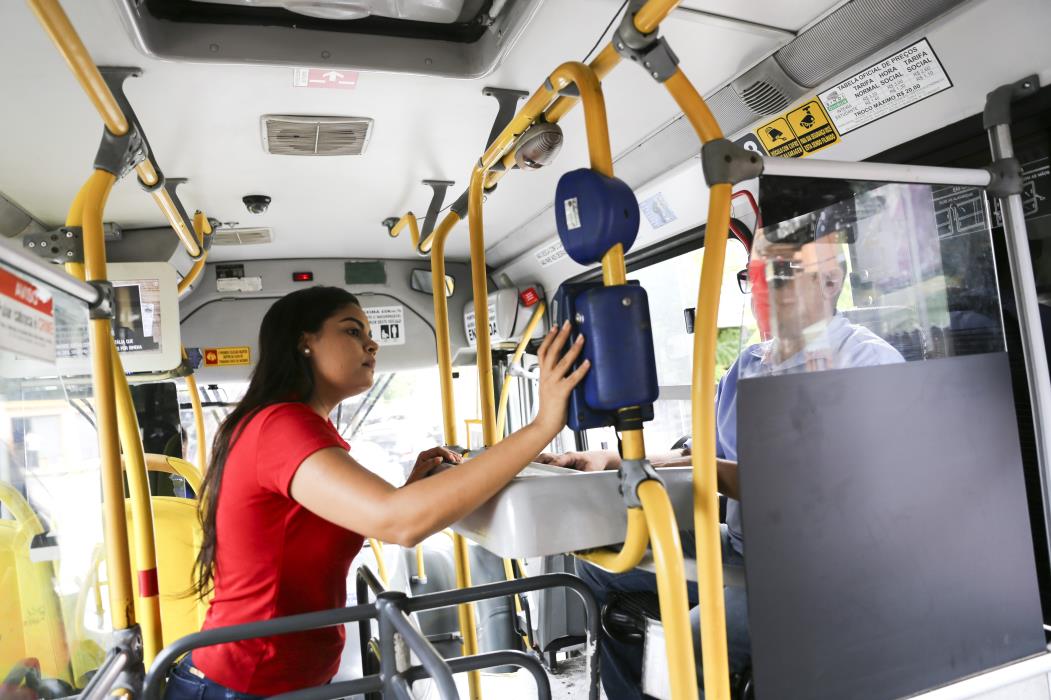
x=529, y=296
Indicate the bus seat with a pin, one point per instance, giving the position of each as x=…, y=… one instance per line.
x=32, y=632
x=178, y=535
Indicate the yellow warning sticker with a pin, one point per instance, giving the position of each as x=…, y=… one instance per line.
x=802, y=131
x=225, y=357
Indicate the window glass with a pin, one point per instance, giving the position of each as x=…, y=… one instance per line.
x=54, y=607
x=388, y=426
x=848, y=273
x=671, y=286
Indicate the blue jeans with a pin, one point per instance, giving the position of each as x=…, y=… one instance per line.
x=621, y=666
x=183, y=684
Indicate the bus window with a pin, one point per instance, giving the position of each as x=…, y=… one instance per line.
x=53, y=603
x=672, y=288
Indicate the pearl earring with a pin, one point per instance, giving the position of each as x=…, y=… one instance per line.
x=306, y=351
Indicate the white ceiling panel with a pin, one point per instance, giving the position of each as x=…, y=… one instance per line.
x=203, y=122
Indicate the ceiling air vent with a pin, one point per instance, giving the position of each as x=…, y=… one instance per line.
x=315, y=136
x=241, y=236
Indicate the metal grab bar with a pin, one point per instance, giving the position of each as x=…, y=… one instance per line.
x=51, y=275
x=392, y=607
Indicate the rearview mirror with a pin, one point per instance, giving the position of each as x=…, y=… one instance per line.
x=421, y=281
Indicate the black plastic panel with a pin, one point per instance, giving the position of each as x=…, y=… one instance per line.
x=887, y=538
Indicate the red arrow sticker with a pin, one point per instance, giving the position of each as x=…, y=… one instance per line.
x=325, y=78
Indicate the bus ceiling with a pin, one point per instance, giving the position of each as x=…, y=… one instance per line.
x=755, y=62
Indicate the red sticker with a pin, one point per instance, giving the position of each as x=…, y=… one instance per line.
x=148, y=583
x=326, y=78
x=529, y=297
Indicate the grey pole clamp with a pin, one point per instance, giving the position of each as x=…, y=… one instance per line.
x=632, y=473
x=998, y=102
x=438, y=188
x=114, y=76
x=460, y=205
x=725, y=162
x=651, y=51
x=129, y=641
x=1006, y=177
x=64, y=245
x=118, y=155
x=104, y=307
x=507, y=104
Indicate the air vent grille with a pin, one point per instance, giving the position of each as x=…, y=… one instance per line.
x=316, y=136
x=241, y=236
x=765, y=98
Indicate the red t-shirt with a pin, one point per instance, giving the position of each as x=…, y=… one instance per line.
x=275, y=558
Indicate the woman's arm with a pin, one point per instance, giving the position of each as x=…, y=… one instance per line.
x=334, y=486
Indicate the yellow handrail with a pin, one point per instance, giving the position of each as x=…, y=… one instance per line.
x=465, y=611
x=505, y=388
x=91, y=201
x=141, y=514
x=198, y=421
x=409, y=220
x=203, y=228
x=56, y=23
x=705, y=488
x=134, y=465
x=421, y=566
x=381, y=565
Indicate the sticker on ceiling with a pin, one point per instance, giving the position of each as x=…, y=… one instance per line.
x=324, y=78
x=800, y=132
x=900, y=80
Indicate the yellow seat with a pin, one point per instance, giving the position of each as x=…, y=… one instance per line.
x=178, y=539
x=31, y=623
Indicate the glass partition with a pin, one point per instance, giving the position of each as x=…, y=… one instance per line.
x=847, y=274
x=54, y=616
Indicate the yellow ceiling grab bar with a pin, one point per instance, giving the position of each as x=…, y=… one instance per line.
x=56, y=23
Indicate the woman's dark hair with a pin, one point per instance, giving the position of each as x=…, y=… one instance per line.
x=281, y=374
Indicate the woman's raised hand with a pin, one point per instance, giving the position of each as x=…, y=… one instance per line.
x=556, y=380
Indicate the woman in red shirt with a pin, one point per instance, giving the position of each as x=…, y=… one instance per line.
x=285, y=508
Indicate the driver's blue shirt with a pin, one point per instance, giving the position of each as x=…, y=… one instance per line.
x=854, y=346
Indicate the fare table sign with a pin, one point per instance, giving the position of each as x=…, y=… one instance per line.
x=27, y=318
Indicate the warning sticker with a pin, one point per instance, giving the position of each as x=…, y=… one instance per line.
x=1036, y=183
x=228, y=356
x=801, y=132
x=469, y=325
x=902, y=79
x=27, y=318
x=388, y=324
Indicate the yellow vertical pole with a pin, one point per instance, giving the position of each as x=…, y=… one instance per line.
x=705, y=488
x=461, y=553
x=118, y=564
x=198, y=421
x=134, y=461
x=149, y=607
x=480, y=289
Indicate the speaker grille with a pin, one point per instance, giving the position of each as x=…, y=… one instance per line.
x=764, y=98
x=853, y=32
